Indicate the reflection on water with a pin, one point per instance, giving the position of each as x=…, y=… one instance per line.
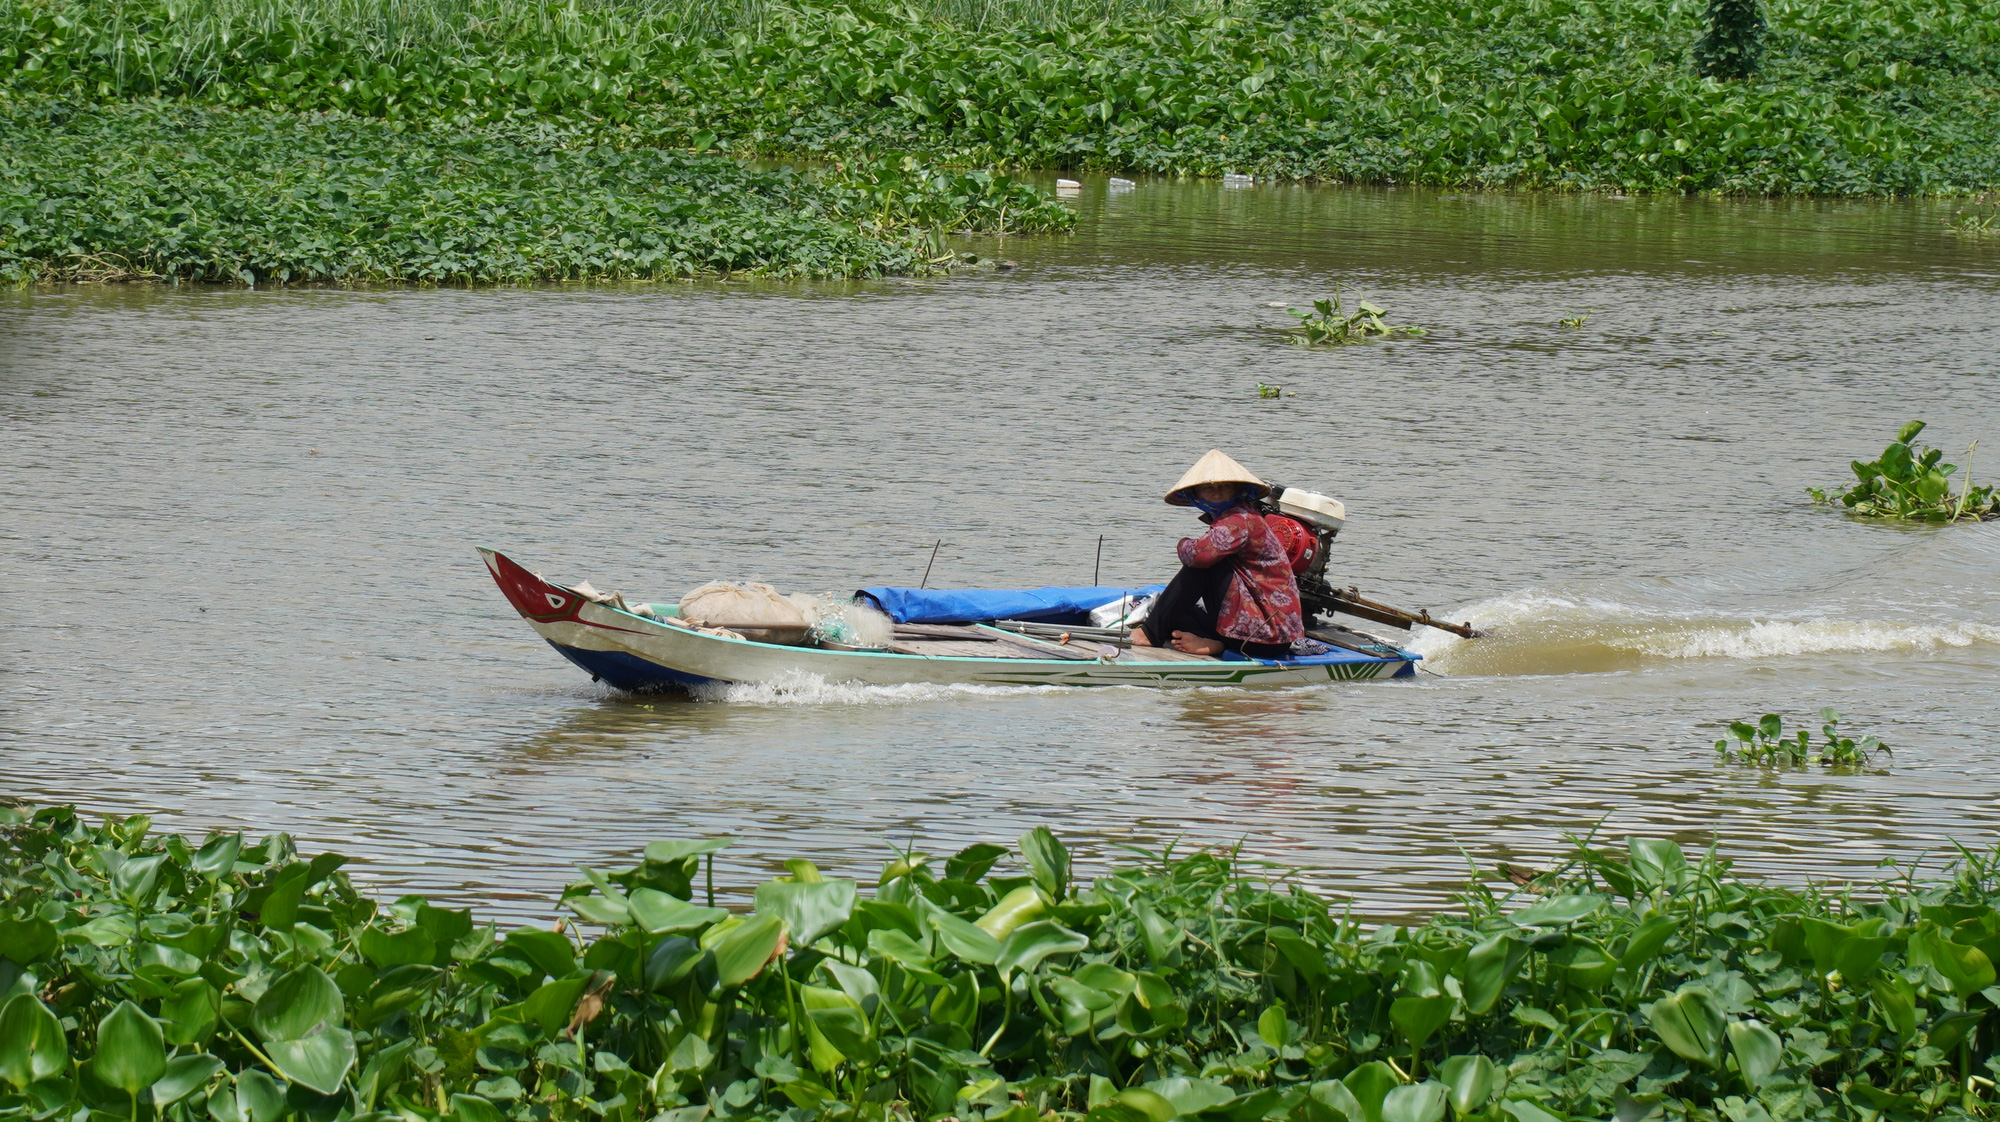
x=610, y=726
x=241, y=587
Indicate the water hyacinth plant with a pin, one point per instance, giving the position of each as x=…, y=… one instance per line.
x=145, y=977
x=1973, y=223
x=158, y=191
x=1910, y=482
x=1849, y=99
x=1329, y=323
x=1766, y=744
x=1733, y=45
x=478, y=95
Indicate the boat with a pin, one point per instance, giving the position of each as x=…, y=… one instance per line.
x=644, y=648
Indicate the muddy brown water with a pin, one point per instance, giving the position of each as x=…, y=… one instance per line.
x=240, y=589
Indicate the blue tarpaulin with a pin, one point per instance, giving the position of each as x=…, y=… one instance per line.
x=962, y=605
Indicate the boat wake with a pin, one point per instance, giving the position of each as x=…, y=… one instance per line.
x=811, y=689
x=1534, y=632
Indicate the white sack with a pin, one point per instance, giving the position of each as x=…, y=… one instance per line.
x=1126, y=611
x=756, y=611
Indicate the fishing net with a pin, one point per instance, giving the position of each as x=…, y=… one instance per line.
x=839, y=620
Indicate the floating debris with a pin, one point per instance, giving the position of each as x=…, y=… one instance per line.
x=1234, y=180
x=1117, y=184
x=1068, y=187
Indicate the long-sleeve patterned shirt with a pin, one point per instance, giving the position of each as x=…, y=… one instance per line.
x=1261, y=604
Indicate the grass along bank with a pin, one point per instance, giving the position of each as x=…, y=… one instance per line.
x=145, y=976
x=1853, y=97
x=149, y=189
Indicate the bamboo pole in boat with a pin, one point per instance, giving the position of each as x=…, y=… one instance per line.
x=925, y=583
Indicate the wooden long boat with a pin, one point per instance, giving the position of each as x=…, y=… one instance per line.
x=628, y=650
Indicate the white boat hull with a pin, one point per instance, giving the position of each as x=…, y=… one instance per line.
x=632, y=652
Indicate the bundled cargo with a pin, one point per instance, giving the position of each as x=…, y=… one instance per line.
x=755, y=611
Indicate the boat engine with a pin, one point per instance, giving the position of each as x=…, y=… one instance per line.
x=1324, y=517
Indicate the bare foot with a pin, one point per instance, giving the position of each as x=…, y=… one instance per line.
x=1195, y=644
x=1140, y=638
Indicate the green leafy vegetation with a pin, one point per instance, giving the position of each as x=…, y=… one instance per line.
x=1575, y=320
x=1767, y=744
x=1733, y=45
x=1849, y=98
x=1973, y=223
x=1329, y=323
x=461, y=141
x=1910, y=482
x=150, y=190
x=143, y=976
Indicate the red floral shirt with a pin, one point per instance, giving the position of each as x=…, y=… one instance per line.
x=1261, y=604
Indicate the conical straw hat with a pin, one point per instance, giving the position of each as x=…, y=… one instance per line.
x=1213, y=468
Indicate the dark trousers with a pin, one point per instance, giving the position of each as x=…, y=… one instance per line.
x=1191, y=602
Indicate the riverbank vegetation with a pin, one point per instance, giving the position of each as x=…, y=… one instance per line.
x=1911, y=482
x=149, y=977
x=1847, y=97
x=484, y=140
x=157, y=190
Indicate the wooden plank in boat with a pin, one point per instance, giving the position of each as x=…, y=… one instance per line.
x=944, y=631
x=961, y=641
x=1038, y=648
x=1349, y=639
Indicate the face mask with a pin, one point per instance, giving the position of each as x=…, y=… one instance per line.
x=1214, y=509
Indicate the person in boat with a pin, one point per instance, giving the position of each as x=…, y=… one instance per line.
x=1235, y=590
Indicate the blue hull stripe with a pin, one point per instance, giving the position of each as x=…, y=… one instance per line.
x=627, y=671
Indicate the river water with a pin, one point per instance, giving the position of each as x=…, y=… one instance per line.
x=240, y=589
